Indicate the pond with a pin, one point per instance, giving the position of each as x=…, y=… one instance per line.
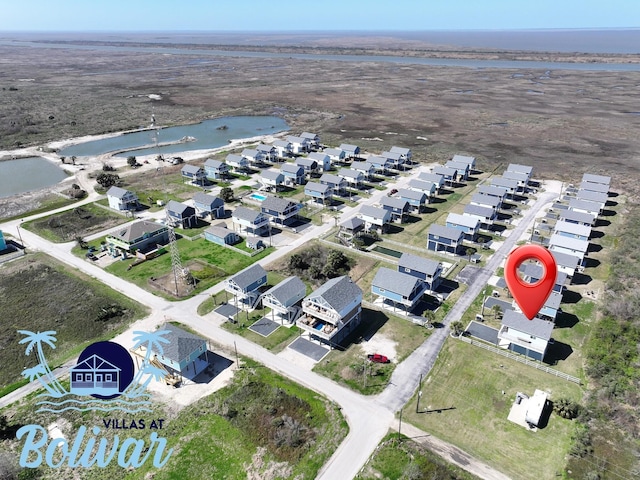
x=27, y=174
x=208, y=134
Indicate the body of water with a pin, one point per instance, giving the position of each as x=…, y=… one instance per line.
x=208, y=134
x=27, y=174
x=507, y=38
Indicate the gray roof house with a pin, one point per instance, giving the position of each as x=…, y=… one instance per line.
x=428, y=271
x=404, y=152
x=324, y=162
x=215, y=169
x=350, y=151
x=335, y=154
x=185, y=352
x=520, y=177
x=444, y=239
x=142, y=235
x=524, y=336
x=279, y=209
x=397, y=288
x=486, y=215
x=350, y=228
x=449, y=174
x=415, y=199
x=467, y=224
x=314, y=139
x=250, y=221
x=375, y=217
x=366, y=168
x=585, y=206
x=194, y=174
x=493, y=191
x=237, y=161
x=293, y=174
x=428, y=188
x=181, y=214
x=283, y=148
x=272, y=178
x=581, y=218
x=336, y=182
x=244, y=285
x=485, y=201
x=122, y=199
x=590, y=177
x=591, y=196
x=318, y=192
x=206, y=204
x=462, y=168
x=310, y=165
x=397, y=206
x=572, y=246
x=433, y=178
x=510, y=185
x=566, y=262
x=283, y=297
x=469, y=161
x=353, y=177
x=298, y=144
x=332, y=311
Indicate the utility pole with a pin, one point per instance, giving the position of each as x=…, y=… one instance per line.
x=419, y=395
x=237, y=359
x=399, y=425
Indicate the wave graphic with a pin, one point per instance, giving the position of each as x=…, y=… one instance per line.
x=82, y=405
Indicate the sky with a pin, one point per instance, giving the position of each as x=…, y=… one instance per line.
x=322, y=15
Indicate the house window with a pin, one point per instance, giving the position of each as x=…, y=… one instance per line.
x=78, y=377
x=107, y=377
x=87, y=377
x=407, y=269
x=382, y=290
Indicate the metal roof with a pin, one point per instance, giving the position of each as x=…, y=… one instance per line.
x=316, y=187
x=244, y=213
x=594, y=187
x=217, y=231
x=249, y=275
x=394, y=281
x=423, y=185
x=536, y=327
x=309, y=135
x=412, y=194
x=400, y=150
x=534, y=272
x=287, y=289
x=481, y=199
x=214, y=163
x=583, y=217
x=349, y=148
x=394, y=203
x=333, y=152
x=446, y=232
x=464, y=220
x=181, y=343
x=392, y=155
x=117, y=192
x=493, y=190
x=431, y=177
x=306, y=162
x=504, y=182
x=349, y=173
x=353, y=223
x=565, y=259
x=206, y=199
x=519, y=176
x=470, y=161
x=478, y=211
x=177, y=207
x=514, y=167
x=445, y=171
x=135, y=230
x=576, y=203
x=291, y=168
x=276, y=204
x=569, y=243
x=338, y=292
x=573, y=228
x=191, y=169
x=591, y=196
x=274, y=175
x=319, y=157
x=589, y=177
x=331, y=178
x=419, y=264
x=375, y=212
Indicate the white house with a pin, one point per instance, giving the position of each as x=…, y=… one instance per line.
x=524, y=336
x=122, y=199
x=323, y=160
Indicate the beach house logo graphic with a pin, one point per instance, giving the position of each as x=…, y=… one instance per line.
x=104, y=378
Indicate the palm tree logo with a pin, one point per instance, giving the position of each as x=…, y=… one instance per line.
x=151, y=343
x=41, y=371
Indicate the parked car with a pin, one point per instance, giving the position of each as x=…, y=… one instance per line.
x=378, y=358
x=393, y=191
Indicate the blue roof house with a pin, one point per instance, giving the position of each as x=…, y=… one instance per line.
x=181, y=214
x=194, y=174
x=318, y=192
x=415, y=199
x=186, y=353
x=338, y=184
x=244, y=285
x=206, y=204
x=466, y=224
x=397, y=288
x=397, y=206
x=215, y=169
x=445, y=239
x=221, y=235
x=283, y=298
x=293, y=174
x=429, y=271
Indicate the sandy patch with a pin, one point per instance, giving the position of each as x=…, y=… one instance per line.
x=382, y=344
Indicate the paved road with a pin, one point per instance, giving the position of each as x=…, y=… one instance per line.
x=406, y=376
x=369, y=418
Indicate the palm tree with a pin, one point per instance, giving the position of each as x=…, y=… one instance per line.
x=153, y=372
x=456, y=327
x=36, y=373
x=429, y=316
x=36, y=340
x=497, y=311
x=152, y=341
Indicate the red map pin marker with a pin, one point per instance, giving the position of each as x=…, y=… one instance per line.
x=530, y=296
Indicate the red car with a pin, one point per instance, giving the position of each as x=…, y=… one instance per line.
x=377, y=358
x=393, y=191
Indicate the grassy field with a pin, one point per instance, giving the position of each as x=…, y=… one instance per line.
x=347, y=366
x=45, y=295
x=261, y=425
x=78, y=222
x=47, y=203
x=276, y=342
x=223, y=262
x=478, y=421
x=405, y=458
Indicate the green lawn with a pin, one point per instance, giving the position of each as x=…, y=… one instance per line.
x=223, y=262
x=471, y=381
x=275, y=342
x=406, y=458
x=259, y=422
x=347, y=366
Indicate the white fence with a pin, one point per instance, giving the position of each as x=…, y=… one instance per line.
x=518, y=358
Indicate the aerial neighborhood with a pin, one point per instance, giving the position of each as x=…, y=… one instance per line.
x=333, y=255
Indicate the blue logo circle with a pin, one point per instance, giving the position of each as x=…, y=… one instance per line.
x=106, y=369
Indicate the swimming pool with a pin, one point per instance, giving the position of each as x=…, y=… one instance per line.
x=257, y=196
x=387, y=251
x=318, y=326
